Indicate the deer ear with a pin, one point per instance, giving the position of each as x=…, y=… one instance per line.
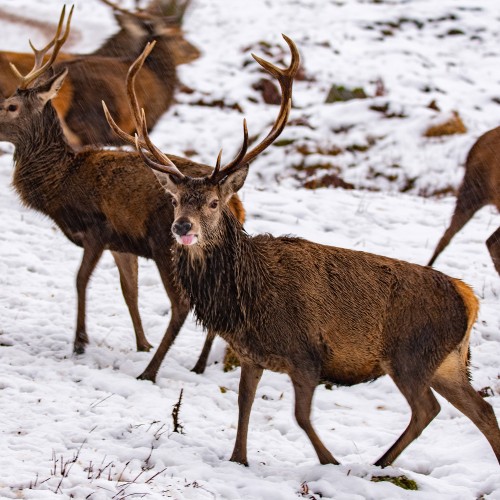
x=134, y=26
x=49, y=89
x=169, y=182
x=233, y=182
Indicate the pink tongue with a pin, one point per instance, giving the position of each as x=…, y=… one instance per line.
x=187, y=239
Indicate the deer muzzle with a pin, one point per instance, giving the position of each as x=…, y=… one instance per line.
x=181, y=229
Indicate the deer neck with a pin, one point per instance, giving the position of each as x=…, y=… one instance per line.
x=225, y=279
x=161, y=60
x=42, y=158
x=122, y=45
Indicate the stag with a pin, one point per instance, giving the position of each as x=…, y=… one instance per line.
x=100, y=199
x=480, y=187
x=99, y=75
x=78, y=103
x=316, y=312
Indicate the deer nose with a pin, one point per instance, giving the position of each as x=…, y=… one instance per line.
x=181, y=227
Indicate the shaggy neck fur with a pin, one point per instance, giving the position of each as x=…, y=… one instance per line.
x=225, y=279
x=40, y=147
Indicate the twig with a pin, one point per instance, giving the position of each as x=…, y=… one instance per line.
x=178, y=427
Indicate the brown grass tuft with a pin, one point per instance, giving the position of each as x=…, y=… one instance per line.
x=328, y=180
x=231, y=361
x=453, y=125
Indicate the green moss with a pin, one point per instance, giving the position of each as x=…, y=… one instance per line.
x=358, y=148
x=283, y=142
x=339, y=93
x=385, y=110
x=401, y=481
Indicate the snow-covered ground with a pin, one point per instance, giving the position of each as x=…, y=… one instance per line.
x=84, y=427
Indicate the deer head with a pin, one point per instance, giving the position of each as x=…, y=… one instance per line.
x=35, y=89
x=160, y=19
x=200, y=202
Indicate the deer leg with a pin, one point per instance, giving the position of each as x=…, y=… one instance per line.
x=128, y=268
x=493, y=244
x=180, y=309
x=91, y=255
x=304, y=390
x=249, y=379
x=201, y=364
x=453, y=384
x=462, y=214
x=424, y=407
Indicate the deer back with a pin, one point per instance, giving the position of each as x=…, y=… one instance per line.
x=98, y=76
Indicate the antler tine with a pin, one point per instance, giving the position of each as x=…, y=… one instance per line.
x=165, y=169
x=39, y=68
x=39, y=54
x=139, y=14
x=218, y=174
x=161, y=157
x=172, y=10
x=285, y=78
x=217, y=164
x=182, y=10
x=280, y=73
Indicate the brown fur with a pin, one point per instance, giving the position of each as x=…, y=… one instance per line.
x=472, y=306
x=480, y=187
x=323, y=313
x=100, y=75
x=100, y=200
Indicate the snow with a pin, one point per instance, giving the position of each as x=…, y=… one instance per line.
x=84, y=427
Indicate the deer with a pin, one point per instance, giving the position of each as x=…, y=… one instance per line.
x=78, y=105
x=101, y=199
x=312, y=311
x=480, y=187
x=100, y=74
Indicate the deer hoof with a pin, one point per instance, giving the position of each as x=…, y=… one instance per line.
x=241, y=461
x=198, y=368
x=79, y=348
x=144, y=347
x=147, y=376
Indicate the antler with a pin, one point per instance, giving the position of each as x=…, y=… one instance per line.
x=285, y=78
x=171, y=11
x=139, y=13
x=141, y=139
x=39, y=68
x=132, y=98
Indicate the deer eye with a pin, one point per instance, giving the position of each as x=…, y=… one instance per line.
x=214, y=204
x=174, y=202
x=12, y=107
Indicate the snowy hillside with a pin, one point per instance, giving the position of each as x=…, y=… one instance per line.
x=84, y=427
